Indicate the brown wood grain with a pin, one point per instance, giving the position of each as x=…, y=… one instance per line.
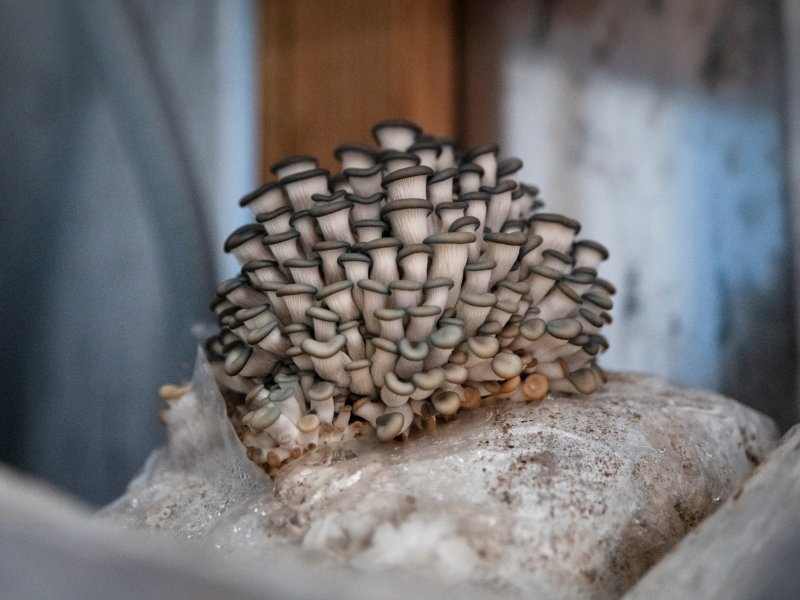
x=331, y=69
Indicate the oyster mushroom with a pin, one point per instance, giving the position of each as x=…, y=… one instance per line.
x=414, y=284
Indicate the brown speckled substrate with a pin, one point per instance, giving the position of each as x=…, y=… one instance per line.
x=566, y=498
x=571, y=497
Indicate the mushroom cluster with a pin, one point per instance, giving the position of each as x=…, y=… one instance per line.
x=416, y=283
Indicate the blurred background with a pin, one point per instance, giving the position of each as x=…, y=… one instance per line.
x=130, y=128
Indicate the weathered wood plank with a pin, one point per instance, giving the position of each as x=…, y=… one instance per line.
x=330, y=70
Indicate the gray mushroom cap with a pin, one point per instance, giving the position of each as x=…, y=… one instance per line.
x=389, y=426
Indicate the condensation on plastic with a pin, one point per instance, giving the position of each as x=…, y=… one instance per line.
x=202, y=477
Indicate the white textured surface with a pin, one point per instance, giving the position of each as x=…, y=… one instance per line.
x=750, y=548
x=570, y=498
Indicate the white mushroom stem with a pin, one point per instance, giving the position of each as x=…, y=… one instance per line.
x=305, y=270
x=395, y=392
x=391, y=323
x=411, y=357
x=408, y=219
x=333, y=218
x=395, y=134
x=368, y=230
x=246, y=244
x=266, y=198
x=427, y=150
x=368, y=410
x=477, y=277
x=450, y=251
x=510, y=292
x=343, y=416
x=269, y=338
x=276, y=221
x=447, y=155
x=376, y=295
x=440, y=186
x=365, y=208
x=560, y=300
x=499, y=204
x=486, y=158
x=292, y=382
x=383, y=253
x=541, y=281
x=449, y=213
x=283, y=246
x=421, y=322
x=437, y=291
x=338, y=298
x=304, y=223
x=469, y=178
x=325, y=322
x=365, y=182
x=356, y=267
x=405, y=293
x=289, y=404
x=301, y=360
x=557, y=231
x=410, y=182
x=298, y=297
x=502, y=312
x=330, y=251
x=384, y=358
x=354, y=156
x=413, y=261
x=442, y=342
x=320, y=395
x=308, y=428
x=328, y=359
x=503, y=249
x=269, y=418
x=476, y=207
x=394, y=161
x=361, y=382
x=257, y=397
x=531, y=255
x=355, y=341
x=258, y=271
x=299, y=187
x=297, y=333
x=473, y=310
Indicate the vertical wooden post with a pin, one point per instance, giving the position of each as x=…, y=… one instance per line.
x=331, y=69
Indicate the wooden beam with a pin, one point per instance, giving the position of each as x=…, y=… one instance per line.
x=331, y=69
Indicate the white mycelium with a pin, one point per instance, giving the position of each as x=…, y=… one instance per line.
x=416, y=284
